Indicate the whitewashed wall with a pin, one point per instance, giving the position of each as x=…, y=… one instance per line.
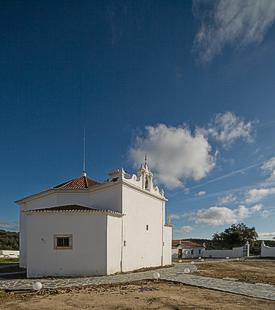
x=114, y=244
x=167, y=240
x=88, y=255
x=267, y=251
x=234, y=252
x=187, y=253
x=105, y=197
x=143, y=248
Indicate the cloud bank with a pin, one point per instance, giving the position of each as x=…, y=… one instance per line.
x=257, y=194
x=232, y=23
x=176, y=154
x=222, y=215
x=9, y=226
x=267, y=235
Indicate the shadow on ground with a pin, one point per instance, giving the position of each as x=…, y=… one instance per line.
x=11, y=271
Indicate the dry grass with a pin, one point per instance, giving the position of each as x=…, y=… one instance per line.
x=141, y=295
x=254, y=271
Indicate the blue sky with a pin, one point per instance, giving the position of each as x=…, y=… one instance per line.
x=190, y=83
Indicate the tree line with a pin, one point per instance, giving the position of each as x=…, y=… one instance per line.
x=9, y=240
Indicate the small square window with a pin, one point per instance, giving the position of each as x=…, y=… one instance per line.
x=63, y=242
x=147, y=227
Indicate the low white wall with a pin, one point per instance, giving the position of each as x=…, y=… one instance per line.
x=9, y=253
x=234, y=252
x=167, y=244
x=267, y=251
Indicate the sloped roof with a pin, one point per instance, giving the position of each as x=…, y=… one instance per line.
x=65, y=208
x=186, y=244
x=82, y=182
x=78, y=183
x=73, y=209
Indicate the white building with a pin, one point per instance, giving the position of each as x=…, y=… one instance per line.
x=83, y=227
x=9, y=254
x=186, y=249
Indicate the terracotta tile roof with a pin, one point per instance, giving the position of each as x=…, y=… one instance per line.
x=82, y=182
x=74, y=209
x=65, y=208
x=78, y=183
x=186, y=244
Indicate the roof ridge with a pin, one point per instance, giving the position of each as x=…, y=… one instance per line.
x=85, y=180
x=81, y=182
x=62, y=184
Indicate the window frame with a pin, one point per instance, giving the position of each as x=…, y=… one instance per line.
x=56, y=236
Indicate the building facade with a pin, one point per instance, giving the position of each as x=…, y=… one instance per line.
x=186, y=249
x=83, y=227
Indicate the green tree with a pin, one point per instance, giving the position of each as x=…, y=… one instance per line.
x=9, y=240
x=235, y=235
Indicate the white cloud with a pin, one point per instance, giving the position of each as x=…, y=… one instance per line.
x=186, y=229
x=227, y=128
x=175, y=154
x=269, y=168
x=232, y=23
x=256, y=208
x=267, y=235
x=223, y=215
x=257, y=194
x=201, y=193
x=225, y=200
x=269, y=165
x=174, y=216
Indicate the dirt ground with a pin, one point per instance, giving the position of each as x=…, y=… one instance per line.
x=141, y=295
x=254, y=271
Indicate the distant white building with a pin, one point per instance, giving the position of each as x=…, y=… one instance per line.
x=186, y=249
x=83, y=227
x=9, y=254
x=267, y=251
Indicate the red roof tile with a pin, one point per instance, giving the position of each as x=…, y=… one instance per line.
x=78, y=183
x=186, y=244
x=65, y=208
x=72, y=209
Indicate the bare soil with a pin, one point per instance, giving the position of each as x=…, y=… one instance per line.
x=254, y=271
x=140, y=295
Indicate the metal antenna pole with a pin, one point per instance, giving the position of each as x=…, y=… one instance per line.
x=84, y=152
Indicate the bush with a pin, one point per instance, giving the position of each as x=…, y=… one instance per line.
x=9, y=240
